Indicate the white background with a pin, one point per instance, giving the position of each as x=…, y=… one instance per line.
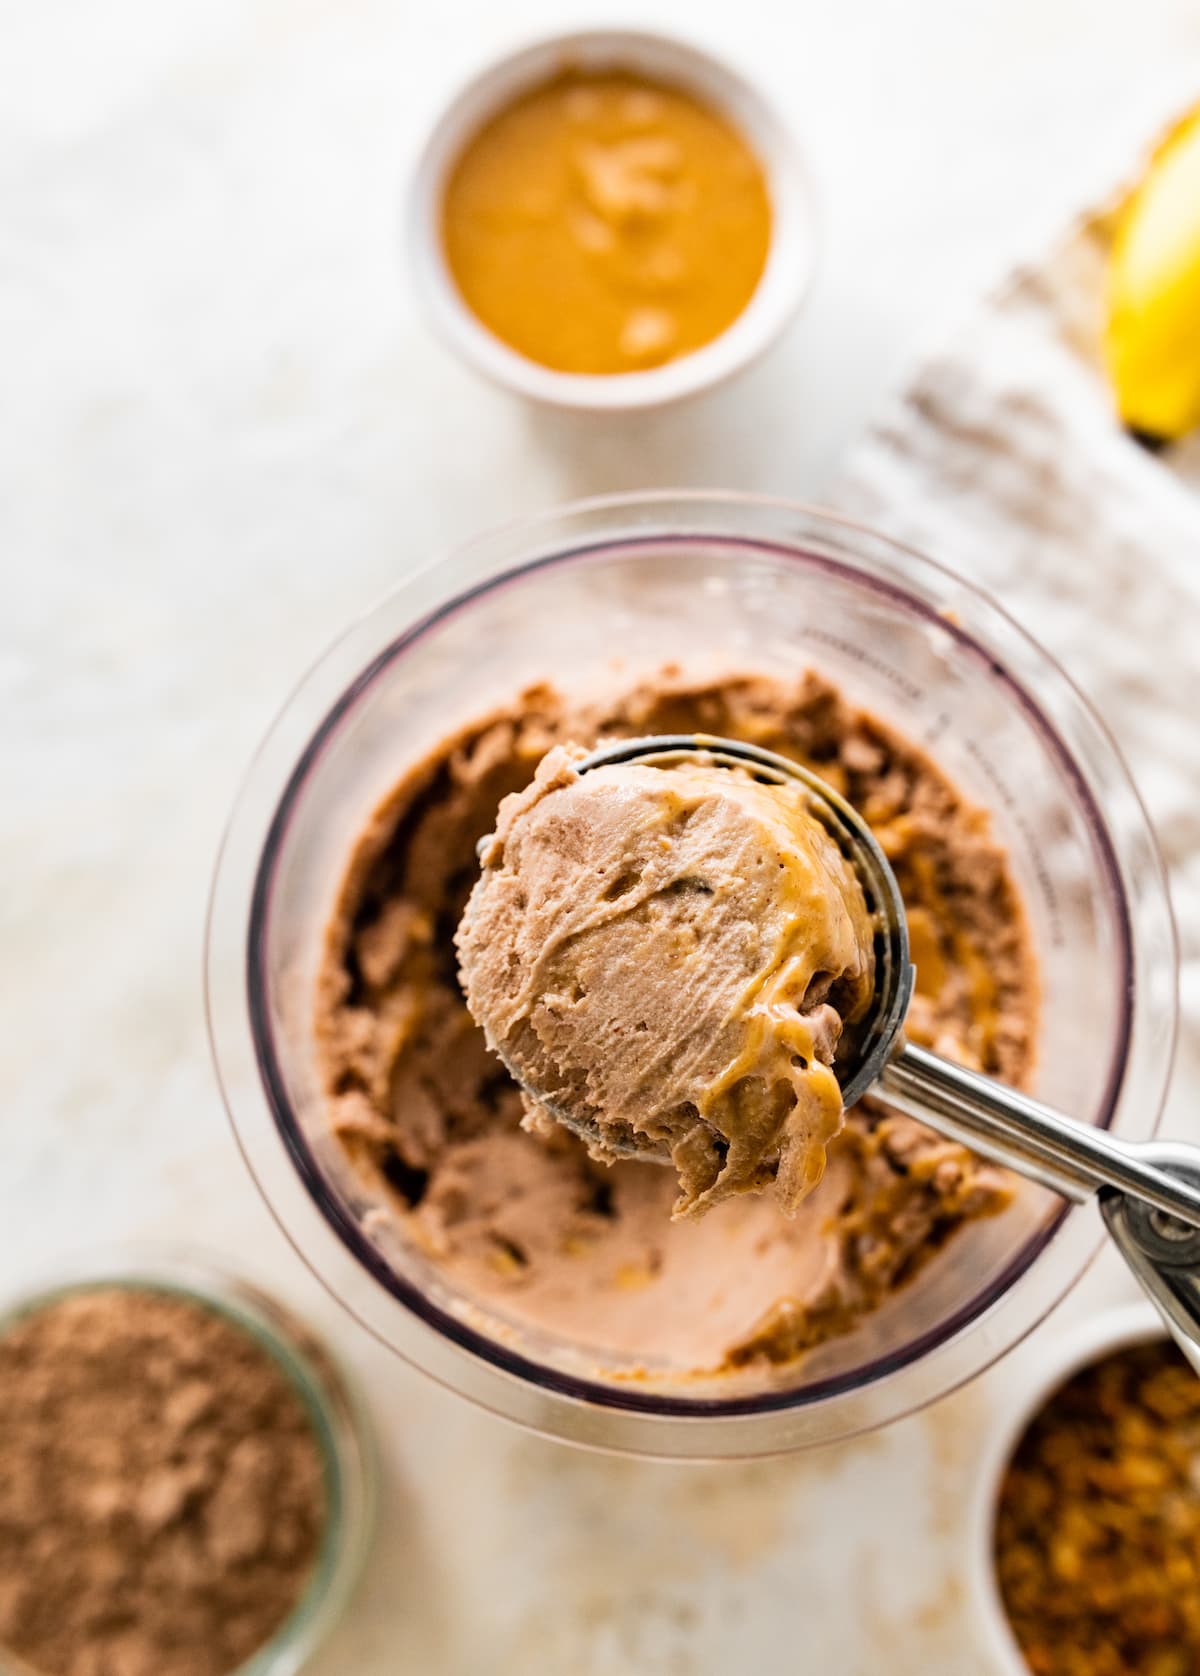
x=223, y=431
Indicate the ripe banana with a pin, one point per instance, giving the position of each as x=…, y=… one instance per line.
x=1152, y=340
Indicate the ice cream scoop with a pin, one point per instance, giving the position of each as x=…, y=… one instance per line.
x=1149, y=1192
x=670, y=957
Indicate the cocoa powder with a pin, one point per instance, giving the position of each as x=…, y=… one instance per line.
x=161, y=1488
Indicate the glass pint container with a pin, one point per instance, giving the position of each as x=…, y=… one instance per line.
x=713, y=582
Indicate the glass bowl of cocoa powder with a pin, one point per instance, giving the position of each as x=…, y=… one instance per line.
x=387, y=1141
x=188, y=1483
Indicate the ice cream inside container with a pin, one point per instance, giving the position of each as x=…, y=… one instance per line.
x=707, y=597
x=665, y=959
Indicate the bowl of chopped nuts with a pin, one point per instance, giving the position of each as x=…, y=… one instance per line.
x=1086, y=1519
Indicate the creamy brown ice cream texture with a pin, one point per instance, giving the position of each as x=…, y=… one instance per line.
x=529, y=1226
x=666, y=956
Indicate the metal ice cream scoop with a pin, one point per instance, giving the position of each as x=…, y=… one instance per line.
x=1149, y=1192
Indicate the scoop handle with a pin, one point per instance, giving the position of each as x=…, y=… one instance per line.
x=1149, y=1191
x=1074, y=1159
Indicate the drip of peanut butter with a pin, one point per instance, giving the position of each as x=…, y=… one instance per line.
x=667, y=957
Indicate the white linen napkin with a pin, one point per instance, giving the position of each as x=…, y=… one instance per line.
x=1002, y=458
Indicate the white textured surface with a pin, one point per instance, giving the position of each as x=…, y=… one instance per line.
x=222, y=431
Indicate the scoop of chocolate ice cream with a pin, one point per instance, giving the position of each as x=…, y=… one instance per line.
x=666, y=958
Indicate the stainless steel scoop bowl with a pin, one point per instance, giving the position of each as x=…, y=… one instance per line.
x=1149, y=1192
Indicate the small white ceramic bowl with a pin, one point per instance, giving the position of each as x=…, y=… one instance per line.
x=789, y=261
x=1089, y=1341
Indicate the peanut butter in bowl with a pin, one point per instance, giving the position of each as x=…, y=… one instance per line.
x=605, y=221
x=609, y=220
